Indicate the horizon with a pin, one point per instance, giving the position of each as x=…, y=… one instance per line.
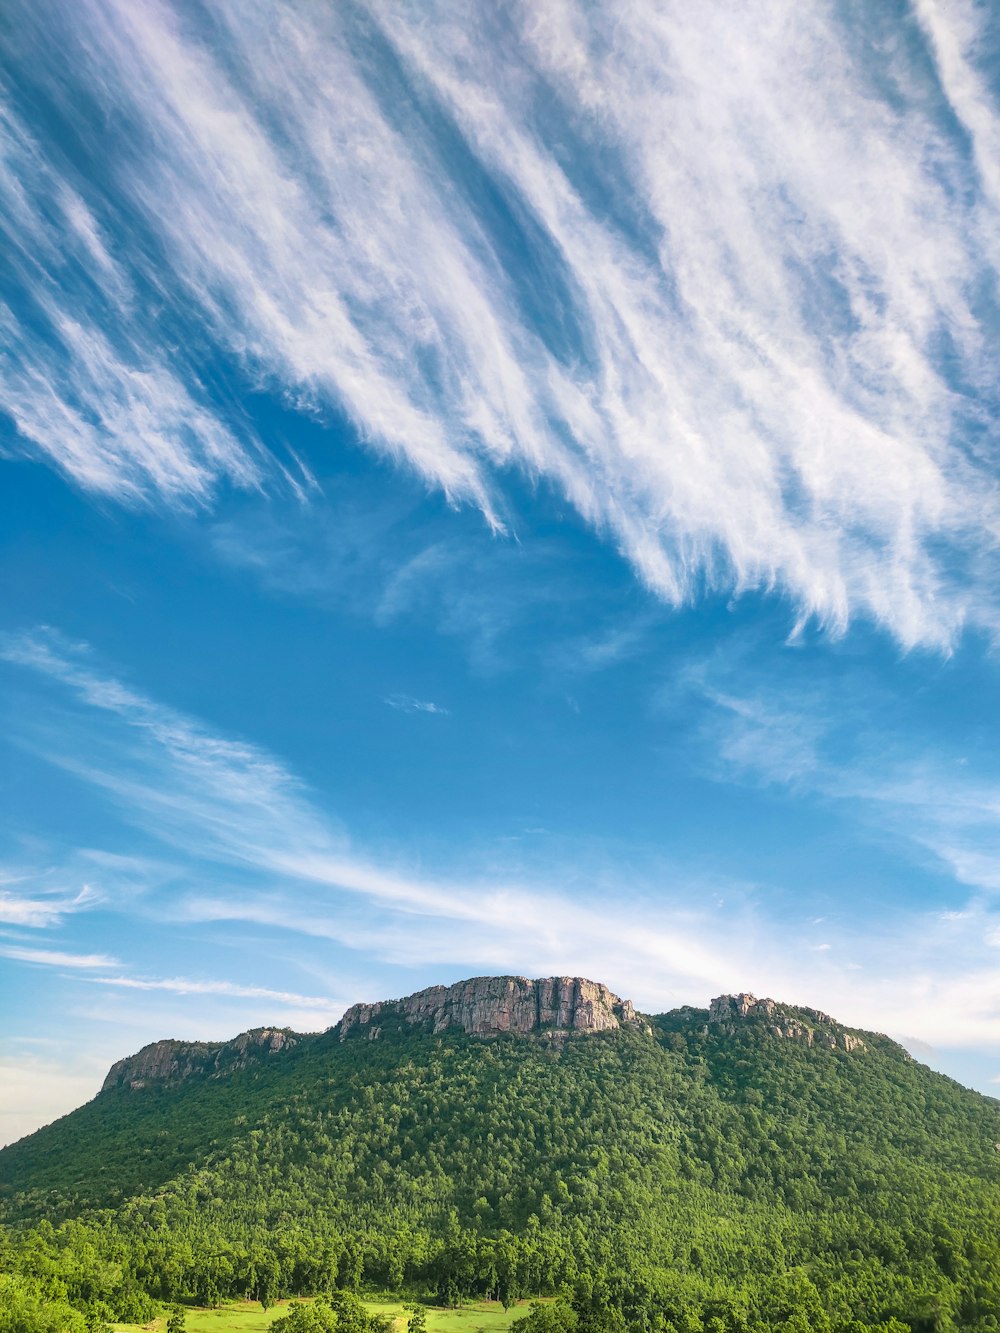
x=509, y=492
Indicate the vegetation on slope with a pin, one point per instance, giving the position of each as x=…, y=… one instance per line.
x=694, y=1180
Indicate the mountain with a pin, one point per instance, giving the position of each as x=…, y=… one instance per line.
x=710, y=1170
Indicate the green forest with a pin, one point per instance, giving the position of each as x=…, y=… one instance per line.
x=680, y=1179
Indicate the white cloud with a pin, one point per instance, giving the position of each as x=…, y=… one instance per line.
x=694, y=267
x=20, y=911
x=39, y=902
x=87, y=382
x=405, y=703
x=27, y=911
x=193, y=986
x=933, y=803
x=911, y=974
x=57, y=957
x=956, y=38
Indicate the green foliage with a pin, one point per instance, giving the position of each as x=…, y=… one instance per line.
x=26, y=1308
x=315, y=1318
x=685, y=1182
x=341, y=1312
x=556, y=1317
x=418, y=1320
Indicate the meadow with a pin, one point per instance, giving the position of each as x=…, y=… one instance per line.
x=250, y=1317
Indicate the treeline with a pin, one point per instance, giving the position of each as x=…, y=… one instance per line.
x=87, y=1275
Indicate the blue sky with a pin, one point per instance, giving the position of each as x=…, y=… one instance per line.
x=495, y=490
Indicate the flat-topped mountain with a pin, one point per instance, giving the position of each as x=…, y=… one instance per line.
x=747, y=1167
x=548, y=1008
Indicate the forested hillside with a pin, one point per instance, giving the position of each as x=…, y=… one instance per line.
x=719, y=1172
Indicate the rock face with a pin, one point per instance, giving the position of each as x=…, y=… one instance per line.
x=171, y=1061
x=492, y=1006
x=728, y=1013
x=549, y=1008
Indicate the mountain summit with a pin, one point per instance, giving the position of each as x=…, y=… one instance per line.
x=493, y=1006
x=550, y=1009
x=729, y=1012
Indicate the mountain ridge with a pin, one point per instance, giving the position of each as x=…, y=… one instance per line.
x=550, y=1008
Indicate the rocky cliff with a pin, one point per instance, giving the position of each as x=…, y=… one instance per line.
x=552, y=1008
x=492, y=1006
x=728, y=1013
x=171, y=1061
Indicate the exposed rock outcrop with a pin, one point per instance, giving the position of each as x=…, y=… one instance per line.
x=493, y=1006
x=551, y=1008
x=811, y=1026
x=171, y=1061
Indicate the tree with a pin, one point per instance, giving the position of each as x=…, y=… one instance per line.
x=557, y=1317
x=315, y=1318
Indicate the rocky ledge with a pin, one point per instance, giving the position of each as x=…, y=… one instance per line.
x=170, y=1061
x=494, y=1006
x=549, y=1008
x=728, y=1013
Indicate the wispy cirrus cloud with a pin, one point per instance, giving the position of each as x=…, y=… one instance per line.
x=99, y=962
x=57, y=957
x=232, y=989
x=406, y=703
x=931, y=800
x=230, y=803
x=42, y=910
x=87, y=380
x=722, y=280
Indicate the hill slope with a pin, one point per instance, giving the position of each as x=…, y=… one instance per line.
x=752, y=1164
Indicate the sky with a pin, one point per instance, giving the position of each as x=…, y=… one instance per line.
x=495, y=489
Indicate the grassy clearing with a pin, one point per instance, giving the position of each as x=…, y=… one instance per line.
x=479, y=1317
x=484, y=1317
x=240, y=1317
x=248, y=1317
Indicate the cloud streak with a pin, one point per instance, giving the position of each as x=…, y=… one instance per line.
x=16, y=910
x=721, y=280
x=87, y=381
x=57, y=958
x=929, y=800
x=405, y=703
x=192, y=986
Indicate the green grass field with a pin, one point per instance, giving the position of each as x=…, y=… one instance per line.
x=481, y=1317
x=248, y=1317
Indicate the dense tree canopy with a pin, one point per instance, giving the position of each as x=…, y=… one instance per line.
x=689, y=1180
